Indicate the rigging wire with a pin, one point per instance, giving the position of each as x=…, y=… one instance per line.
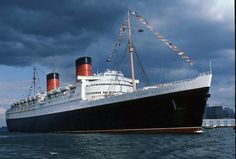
x=173, y=47
x=117, y=43
x=119, y=64
x=142, y=67
x=139, y=62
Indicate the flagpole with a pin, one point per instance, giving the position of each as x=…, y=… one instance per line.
x=131, y=51
x=210, y=67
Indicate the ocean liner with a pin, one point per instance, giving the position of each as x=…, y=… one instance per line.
x=110, y=102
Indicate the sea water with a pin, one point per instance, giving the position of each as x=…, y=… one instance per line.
x=213, y=143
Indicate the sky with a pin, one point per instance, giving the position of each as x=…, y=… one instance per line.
x=53, y=34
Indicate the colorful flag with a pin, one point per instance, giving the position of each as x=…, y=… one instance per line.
x=133, y=12
x=161, y=38
x=180, y=53
x=140, y=30
x=164, y=40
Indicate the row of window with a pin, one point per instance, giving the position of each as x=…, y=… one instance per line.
x=219, y=123
x=113, y=75
x=102, y=84
x=104, y=92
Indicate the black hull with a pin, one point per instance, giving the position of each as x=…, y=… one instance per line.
x=179, y=112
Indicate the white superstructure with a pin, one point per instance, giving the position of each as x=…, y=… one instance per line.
x=101, y=89
x=104, y=84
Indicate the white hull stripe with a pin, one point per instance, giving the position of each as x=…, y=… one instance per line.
x=76, y=103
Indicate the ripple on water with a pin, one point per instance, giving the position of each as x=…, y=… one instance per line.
x=218, y=143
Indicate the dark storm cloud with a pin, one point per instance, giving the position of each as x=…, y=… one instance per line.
x=33, y=30
x=57, y=17
x=46, y=31
x=53, y=33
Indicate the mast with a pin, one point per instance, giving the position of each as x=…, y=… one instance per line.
x=34, y=79
x=131, y=51
x=35, y=85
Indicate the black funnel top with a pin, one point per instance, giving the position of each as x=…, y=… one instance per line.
x=83, y=60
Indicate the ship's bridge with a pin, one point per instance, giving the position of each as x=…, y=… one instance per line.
x=108, y=83
x=112, y=73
